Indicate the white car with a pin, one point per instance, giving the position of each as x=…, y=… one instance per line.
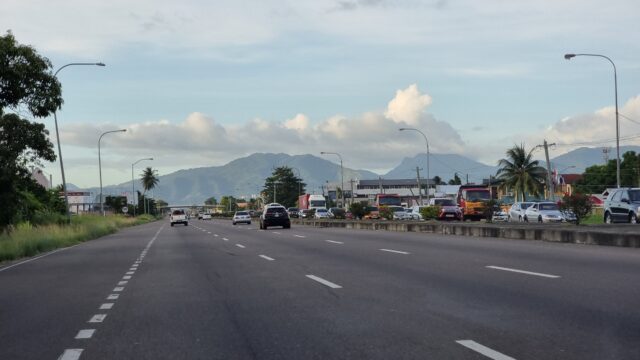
x=399, y=213
x=241, y=217
x=516, y=211
x=321, y=214
x=206, y=216
x=415, y=212
x=543, y=212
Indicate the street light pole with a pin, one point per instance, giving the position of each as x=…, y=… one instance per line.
x=341, y=174
x=100, y=165
x=615, y=83
x=428, y=156
x=55, y=119
x=133, y=186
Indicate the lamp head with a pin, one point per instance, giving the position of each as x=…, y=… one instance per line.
x=123, y=130
x=100, y=64
x=322, y=152
x=569, y=56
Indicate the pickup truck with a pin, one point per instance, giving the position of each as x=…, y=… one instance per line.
x=178, y=217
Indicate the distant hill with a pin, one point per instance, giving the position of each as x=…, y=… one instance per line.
x=442, y=165
x=584, y=157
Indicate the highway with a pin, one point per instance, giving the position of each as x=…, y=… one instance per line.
x=212, y=290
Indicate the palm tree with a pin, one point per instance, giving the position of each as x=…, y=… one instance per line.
x=519, y=172
x=149, y=179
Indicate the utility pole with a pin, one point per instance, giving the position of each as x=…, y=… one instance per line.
x=380, y=184
x=420, y=185
x=351, y=181
x=549, y=183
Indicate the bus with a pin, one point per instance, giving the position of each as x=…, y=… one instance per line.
x=388, y=200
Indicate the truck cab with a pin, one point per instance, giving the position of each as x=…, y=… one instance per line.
x=472, y=200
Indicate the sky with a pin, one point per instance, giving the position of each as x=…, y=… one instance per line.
x=199, y=83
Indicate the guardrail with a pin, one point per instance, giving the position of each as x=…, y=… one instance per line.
x=622, y=235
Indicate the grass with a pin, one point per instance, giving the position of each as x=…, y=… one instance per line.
x=28, y=240
x=593, y=219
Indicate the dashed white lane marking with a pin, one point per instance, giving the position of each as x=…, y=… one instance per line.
x=523, y=272
x=209, y=232
x=334, y=242
x=127, y=277
x=85, y=334
x=490, y=353
x=122, y=283
x=240, y=246
x=71, y=354
x=324, y=282
x=300, y=236
x=225, y=239
x=267, y=258
x=395, y=251
x=37, y=257
x=275, y=232
x=97, y=318
x=113, y=297
x=118, y=288
x=216, y=235
x=131, y=271
x=106, y=306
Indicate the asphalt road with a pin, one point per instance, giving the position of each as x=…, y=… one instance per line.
x=212, y=290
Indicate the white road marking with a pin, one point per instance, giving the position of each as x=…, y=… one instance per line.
x=118, y=288
x=113, y=297
x=395, y=251
x=208, y=232
x=523, y=272
x=98, y=318
x=300, y=236
x=324, y=282
x=490, y=353
x=132, y=271
x=275, y=232
x=126, y=277
x=216, y=235
x=106, y=306
x=335, y=242
x=85, y=334
x=267, y=258
x=71, y=354
x=225, y=239
x=122, y=283
x=37, y=257
x=240, y=246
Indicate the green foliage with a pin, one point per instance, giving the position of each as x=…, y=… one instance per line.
x=211, y=201
x=455, y=181
x=26, y=79
x=430, y=212
x=116, y=203
x=286, y=186
x=580, y=204
x=521, y=173
x=385, y=212
x=229, y=203
x=149, y=178
x=597, y=178
x=490, y=207
x=358, y=210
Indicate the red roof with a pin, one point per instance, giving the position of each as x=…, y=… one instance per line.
x=570, y=179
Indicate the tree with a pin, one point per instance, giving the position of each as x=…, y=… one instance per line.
x=229, y=203
x=211, y=201
x=26, y=79
x=22, y=144
x=437, y=180
x=455, y=181
x=577, y=203
x=522, y=174
x=597, y=178
x=149, y=179
x=358, y=210
x=285, y=184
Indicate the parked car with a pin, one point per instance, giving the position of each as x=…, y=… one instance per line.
x=306, y=213
x=516, y=211
x=499, y=216
x=293, y=212
x=622, y=205
x=321, y=214
x=178, y=216
x=206, y=217
x=543, y=212
x=275, y=216
x=241, y=217
x=449, y=210
x=399, y=213
x=337, y=213
x=373, y=212
x=569, y=216
x=415, y=212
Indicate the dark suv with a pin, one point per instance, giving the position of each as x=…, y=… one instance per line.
x=275, y=216
x=622, y=205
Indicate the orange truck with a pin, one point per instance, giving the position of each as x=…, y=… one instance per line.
x=472, y=200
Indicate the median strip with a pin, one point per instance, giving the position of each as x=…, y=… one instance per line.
x=479, y=348
x=324, y=282
x=395, y=251
x=523, y=272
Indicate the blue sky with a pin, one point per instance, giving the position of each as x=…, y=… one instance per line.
x=212, y=81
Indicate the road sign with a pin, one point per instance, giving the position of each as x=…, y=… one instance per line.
x=125, y=209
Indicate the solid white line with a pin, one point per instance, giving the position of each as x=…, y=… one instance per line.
x=335, y=242
x=324, y=282
x=85, y=334
x=106, y=306
x=300, y=236
x=225, y=239
x=97, y=318
x=37, y=257
x=490, y=353
x=118, y=288
x=126, y=277
x=122, y=283
x=71, y=354
x=113, y=297
x=267, y=258
x=240, y=246
x=395, y=251
x=523, y=272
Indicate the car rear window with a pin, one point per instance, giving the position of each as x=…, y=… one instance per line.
x=178, y=212
x=274, y=210
x=242, y=213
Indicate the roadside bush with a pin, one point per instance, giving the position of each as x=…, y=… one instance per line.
x=489, y=208
x=358, y=210
x=579, y=204
x=386, y=213
x=430, y=212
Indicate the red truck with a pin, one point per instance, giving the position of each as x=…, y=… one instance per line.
x=472, y=200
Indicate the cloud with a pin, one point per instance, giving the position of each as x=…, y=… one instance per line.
x=370, y=141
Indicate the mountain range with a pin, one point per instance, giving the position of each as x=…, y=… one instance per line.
x=245, y=176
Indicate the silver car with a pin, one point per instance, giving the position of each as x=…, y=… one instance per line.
x=516, y=211
x=241, y=217
x=543, y=212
